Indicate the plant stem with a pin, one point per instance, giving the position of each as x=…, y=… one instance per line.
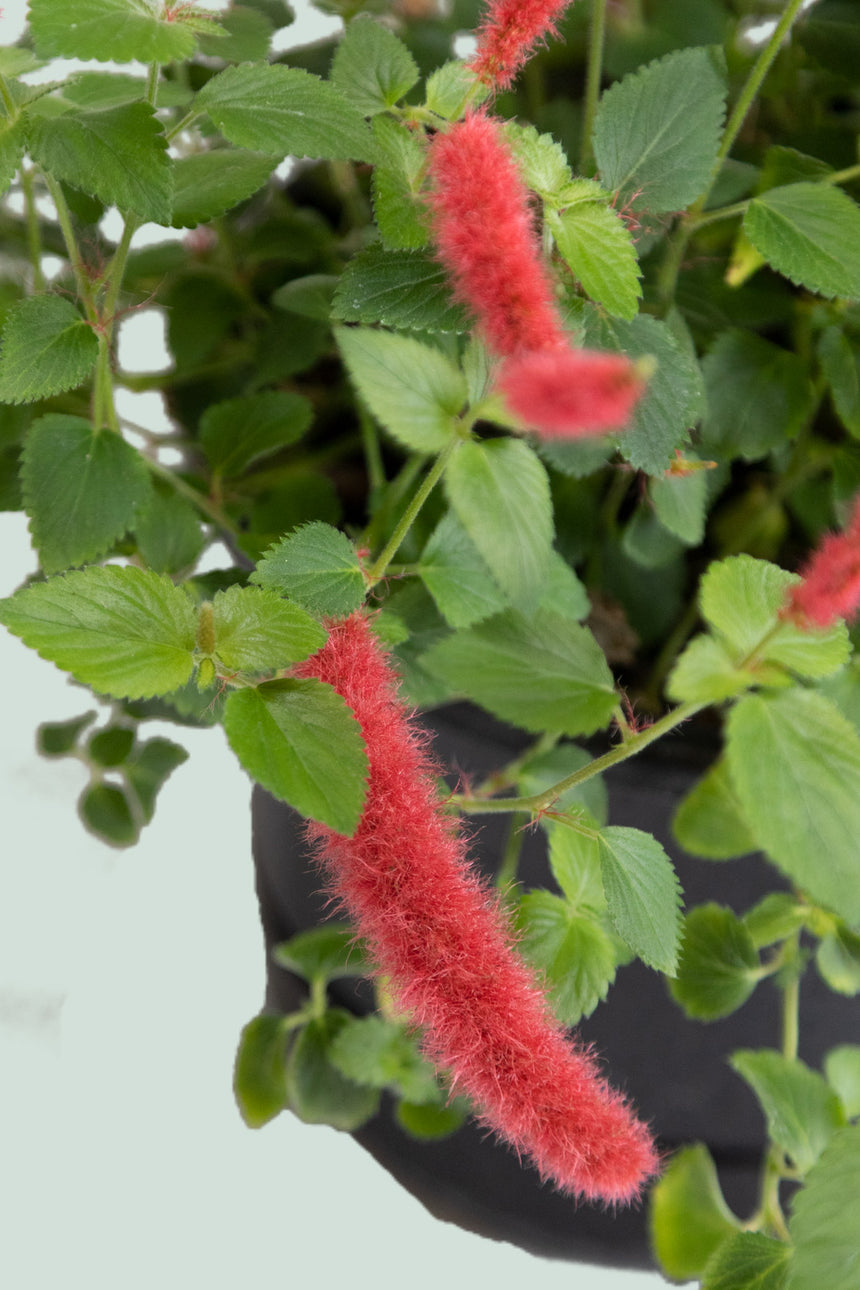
x=117, y=272
x=431, y=479
x=85, y=290
x=372, y=451
x=597, y=33
x=507, y=871
x=104, y=408
x=34, y=243
x=842, y=176
x=205, y=505
x=542, y=801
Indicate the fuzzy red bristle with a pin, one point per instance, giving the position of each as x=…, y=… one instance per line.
x=508, y=35
x=831, y=579
x=571, y=393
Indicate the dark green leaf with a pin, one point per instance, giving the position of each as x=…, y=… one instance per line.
x=840, y=363
x=322, y=954
x=657, y=132
x=257, y=631
x=57, y=738
x=308, y=297
x=758, y=395
x=111, y=747
x=842, y=1068
x=430, y=1121
x=149, y=767
x=688, y=1217
x=122, y=30
x=643, y=895
x=82, y=490
x=747, y=1261
x=378, y=1052
x=110, y=89
x=802, y=1110
x=260, y=1072
x=105, y=811
x=709, y=821
x=457, y=577
x=209, y=183
x=278, y=110
x=825, y=1220
x=405, y=289
x=168, y=532
x=571, y=949
x=680, y=502
x=538, y=671
x=300, y=741
x=124, y=631
x=719, y=966
x=47, y=348
x=317, y=567
x=238, y=432
x=244, y=35
x=810, y=233
x=371, y=67
x=11, y=149
x=318, y=1093
x=116, y=154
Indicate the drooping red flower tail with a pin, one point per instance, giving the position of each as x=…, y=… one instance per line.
x=831, y=579
x=571, y=392
x=442, y=940
x=508, y=35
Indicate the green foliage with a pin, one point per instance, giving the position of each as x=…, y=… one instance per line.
x=840, y=363
x=842, y=1068
x=811, y=234
x=571, y=949
x=457, y=577
x=747, y=1261
x=398, y=288
x=47, y=348
x=838, y=960
x=597, y=247
x=257, y=631
x=58, y=738
x=318, y=1092
x=209, y=183
x=317, y=567
x=802, y=1111
x=380, y=1053
x=167, y=531
x=643, y=895
x=371, y=67
x=260, y=1073
x=122, y=30
x=322, y=954
x=688, y=1218
x=825, y=1220
x=718, y=968
x=237, y=433
x=106, y=812
x=758, y=395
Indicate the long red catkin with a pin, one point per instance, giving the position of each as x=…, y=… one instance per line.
x=441, y=938
x=508, y=35
x=831, y=579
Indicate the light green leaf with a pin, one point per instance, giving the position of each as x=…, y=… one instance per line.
x=117, y=30
x=709, y=821
x=810, y=233
x=596, y=245
x=707, y=673
x=318, y=1093
x=260, y=1073
x=209, y=183
x=301, y=742
x=82, y=490
x=451, y=87
x=413, y=389
x=317, y=567
x=795, y=764
x=238, y=432
x=47, y=348
x=117, y=154
x=842, y=1068
x=371, y=67
x=758, y=395
x=775, y=917
x=571, y=949
x=538, y=671
x=404, y=289
x=321, y=954
x=270, y=108
x=401, y=215
x=457, y=577
x=110, y=89
x=643, y=895
x=168, y=533
x=563, y=593
x=825, y=1220
x=499, y=490
x=802, y=1110
x=719, y=966
x=747, y=1261
x=838, y=961
x=257, y=631
x=543, y=165
x=840, y=363
x=379, y=1053
x=126, y=632
x=11, y=149
x=574, y=860
x=657, y=131
x=688, y=1217
x=680, y=502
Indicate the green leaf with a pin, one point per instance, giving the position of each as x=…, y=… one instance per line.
x=105, y=811
x=457, y=577
x=741, y=598
x=825, y=1220
x=317, y=567
x=58, y=738
x=377, y=1052
x=111, y=746
x=544, y=167
x=707, y=673
x=238, y=432
x=400, y=216
x=117, y=154
x=149, y=767
x=795, y=764
x=307, y=297
x=110, y=89
x=47, y=348
x=842, y=1068
x=301, y=742
x=124, y=631
x=242, y=35
x=404, y=289
x=643, y=895
x=167, y=531
x=451, y=87
x=260, y=1072
x=574, y=952
x=413, y=389
x=541, y=771
x=838, y=961
x=758, y=395
x=322, y=954
x=810, y=233
x=430, y=1121
x=709, y=821
x=82, y=490
x=538, y=671
x=663, y=415
x=840, y=363
x=209, y=183
x=747, y=1261
x=657, y=132
x=318, y=1093
x=688, y=1217
x=563, y=593
x=775, y=917
x=719, y=966
x=371, y=67
x=680, y=502
x=11, y=149
x=596, y=245
x=802, y=1110
x=256, y=630
x=270, y=108
x=118, y=30
x=499, y=490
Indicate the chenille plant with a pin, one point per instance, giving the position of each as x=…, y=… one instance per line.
x=535, y=382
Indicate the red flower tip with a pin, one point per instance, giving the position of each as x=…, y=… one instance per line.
x=830, y=589
x=571, y=393
x=508, y=35
x=444, y=943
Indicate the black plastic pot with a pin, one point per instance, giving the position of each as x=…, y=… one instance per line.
x=674, y=1070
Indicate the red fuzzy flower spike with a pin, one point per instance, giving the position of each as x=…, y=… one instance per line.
x=442, y=940
x=569, y=393
x=508, y=35
x=831, y=579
